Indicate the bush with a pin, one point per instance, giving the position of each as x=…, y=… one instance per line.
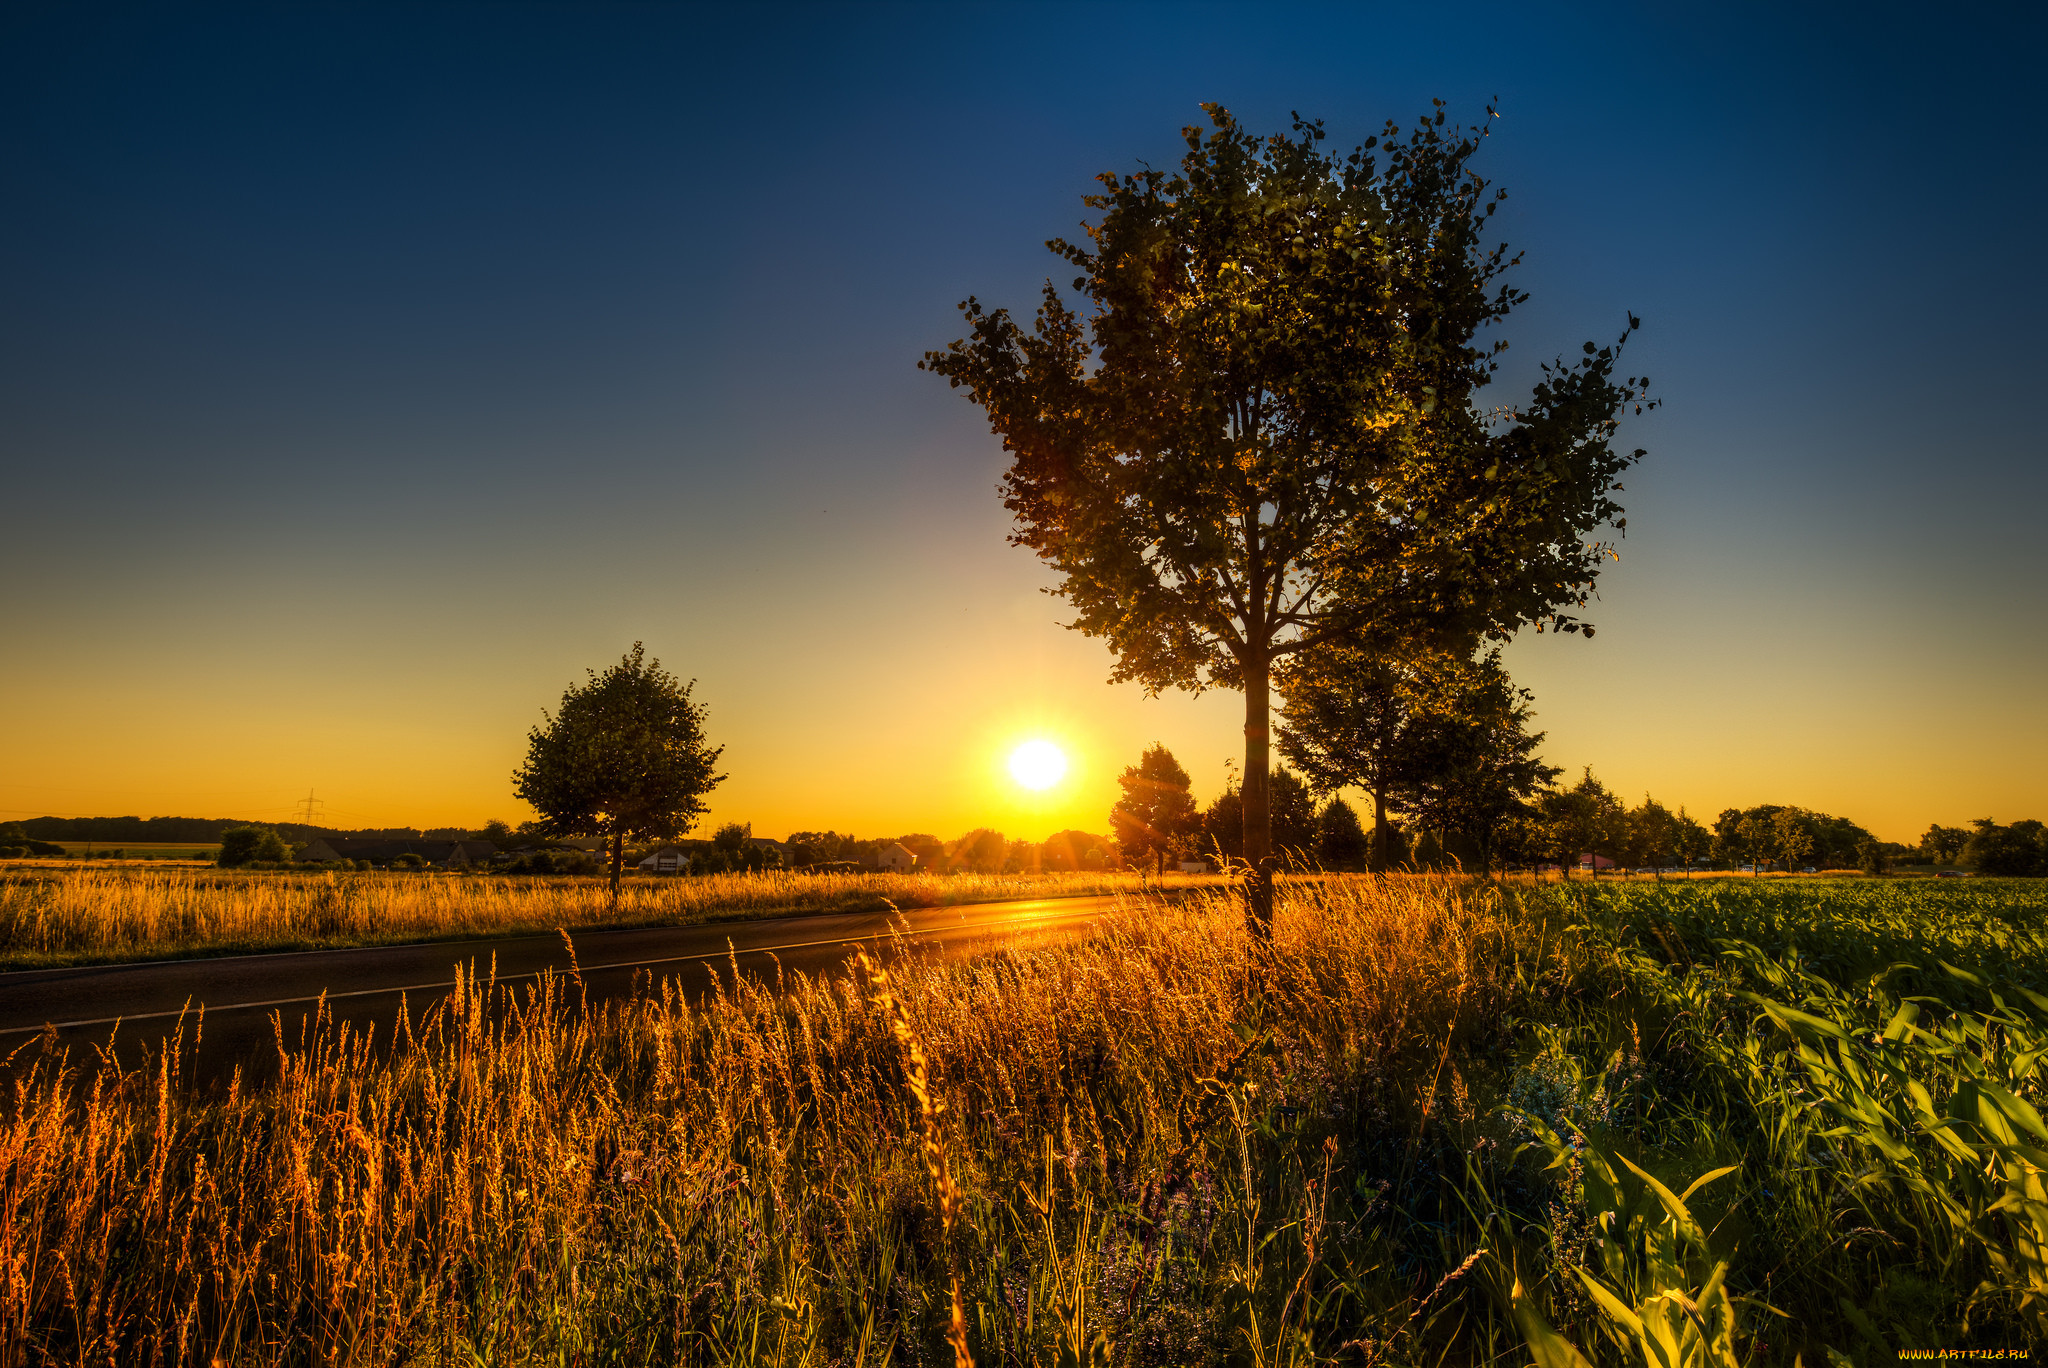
x=246, y=844
x=410, y=860
x=2019, y=850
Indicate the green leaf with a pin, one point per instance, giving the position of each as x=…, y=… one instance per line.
x=1546, y=1346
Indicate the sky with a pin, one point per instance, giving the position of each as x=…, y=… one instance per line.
x=370, y=372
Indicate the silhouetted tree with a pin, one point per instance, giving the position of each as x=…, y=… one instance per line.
x=1440, y=736
x=1262, y=434
x=1689, y=840
x=1473, y=765
x=1943, y=845
x=1069, y=849
x=1223, y=825
x=2018, y=850
x=1340, y=839
x=1157, y=811
x=1354, y=718
x=1294, y=815
x=983, y=850
x=624, y=757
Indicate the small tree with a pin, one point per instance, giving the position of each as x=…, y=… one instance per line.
x=983, y=850
x=1690, y=840
x=1157, y=810
x=1583, y=819
x=1792, y=837
x=1340, y=839
x=1441, y=736
x=1943, y=845
x=1294, y=814
x=623, y=758
x=1223, y=825
x=1652, y=834
x=1756, y=834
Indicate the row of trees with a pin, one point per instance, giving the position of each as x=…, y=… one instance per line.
x=1457, y=786
x=983, y=850
x=1156, y=819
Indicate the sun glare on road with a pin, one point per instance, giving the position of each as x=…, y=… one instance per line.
x=1038, y=764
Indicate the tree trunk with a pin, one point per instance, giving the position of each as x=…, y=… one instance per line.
x=1380, y=834
x=1258, y=797
x=618, y=863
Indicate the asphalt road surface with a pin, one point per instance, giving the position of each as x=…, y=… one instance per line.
x=134, y=1007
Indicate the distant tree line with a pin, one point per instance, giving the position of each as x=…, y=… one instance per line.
x=983, y=850
x=1444, y=800
x=2019, y=850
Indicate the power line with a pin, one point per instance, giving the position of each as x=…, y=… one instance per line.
x=306, y=806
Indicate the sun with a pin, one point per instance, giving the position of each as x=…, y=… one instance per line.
x=1038, y=764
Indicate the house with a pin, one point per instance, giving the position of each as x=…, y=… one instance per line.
x=1595, y=862
x=896, y=858
x=667, y=860
x=383, y=850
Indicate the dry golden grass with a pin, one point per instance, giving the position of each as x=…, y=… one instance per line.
x=747, y=1179
x=55, y=915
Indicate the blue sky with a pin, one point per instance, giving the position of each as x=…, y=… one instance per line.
x=367, y=372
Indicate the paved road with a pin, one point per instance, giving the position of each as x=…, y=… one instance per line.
x=136, y=1005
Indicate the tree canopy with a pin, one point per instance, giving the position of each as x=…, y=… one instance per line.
x=623, y=758
x=1257, y=429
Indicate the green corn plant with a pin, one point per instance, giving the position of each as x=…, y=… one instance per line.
x=1660, y=1293
x=1942, y=1111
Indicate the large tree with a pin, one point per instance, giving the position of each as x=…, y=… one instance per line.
x=624, y=758
x=1257, y=430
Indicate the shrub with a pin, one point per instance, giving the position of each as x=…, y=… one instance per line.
x=246, y=844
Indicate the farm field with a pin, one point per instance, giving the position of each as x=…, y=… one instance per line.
x=142, y=850
x=55, y=912
x=1437, y=1121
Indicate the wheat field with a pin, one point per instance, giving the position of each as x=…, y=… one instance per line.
x=53, y=915
x=737, y=1181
